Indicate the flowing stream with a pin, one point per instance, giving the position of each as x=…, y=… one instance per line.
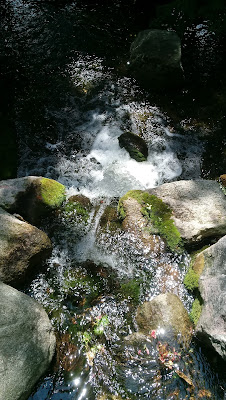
x=74, y=99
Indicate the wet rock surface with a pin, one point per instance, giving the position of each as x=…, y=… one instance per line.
x=27, y=343
x=167, y=312
x=135, y=145
x=155, y=59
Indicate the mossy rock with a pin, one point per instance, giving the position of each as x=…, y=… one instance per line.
x=196, y=311
x=135, y=145
x=130, y=290
x=109, y=220
x=51, y=193
x=191, y=279
x=158, y=216
x=77, y=209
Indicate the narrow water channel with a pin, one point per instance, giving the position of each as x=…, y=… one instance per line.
x=73, y=99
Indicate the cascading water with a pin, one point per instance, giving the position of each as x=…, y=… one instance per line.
x=95, y=279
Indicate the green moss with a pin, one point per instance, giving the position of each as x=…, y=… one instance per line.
x=196, y=311
x=101, y=325
x=137, y=155
x=131, y=290
x=75, y=210
x=191, y=280
x=52, y=193
x=157, y=213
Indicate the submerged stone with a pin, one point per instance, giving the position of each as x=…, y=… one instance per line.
x=155, y=59
x=166, y=312
x=27, y=343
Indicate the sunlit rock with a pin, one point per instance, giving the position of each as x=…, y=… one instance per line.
x=23, y=247
x=155, y=59
x=199, y=208
x=166, y=312
x=31, y=196
x=148, y=218
x=27, y=343
x=135, y=145
x=211, y=326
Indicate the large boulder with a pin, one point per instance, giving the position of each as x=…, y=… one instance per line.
x=27, y=343
x=211, y=326
x=135, y=145
x=166, y=312
x=198, y=206
x=155, y=59
x=31, y=196
x=23, y=247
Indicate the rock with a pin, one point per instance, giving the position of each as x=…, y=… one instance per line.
x=211, y=326
x=23, y=247
x=147, y=217
x=167, y=312
x=223, y=180
x=135, y=145
x=27, y=343
x=199, y=208
x=31, y=196
x=155, y=59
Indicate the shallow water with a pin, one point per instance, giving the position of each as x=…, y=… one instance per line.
x=73, y=100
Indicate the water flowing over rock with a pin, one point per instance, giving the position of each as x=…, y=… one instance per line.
x=31, y=196
x=211, y=326
x=155, y=59
x=199, y=208
x=167, y=312
x=23, y=247
x=27, y=343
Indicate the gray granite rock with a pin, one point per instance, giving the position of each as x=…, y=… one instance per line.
x=199, y=208
x=27, y=343
x=211, y=326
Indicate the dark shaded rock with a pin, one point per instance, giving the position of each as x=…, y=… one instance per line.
x=27, y=343
x=211, y=326
x=155, y=59
x=135, y=145
x=31, y=196
x=23, y=248
x=165, y=311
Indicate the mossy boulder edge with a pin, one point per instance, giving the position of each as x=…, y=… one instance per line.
x=156, y=217
x=31, y=197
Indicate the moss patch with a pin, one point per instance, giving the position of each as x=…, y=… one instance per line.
x=158, y=215
x=195, y=311
x=131, y=290
x=52, y=193
x=191, y=280
x=77, y=209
